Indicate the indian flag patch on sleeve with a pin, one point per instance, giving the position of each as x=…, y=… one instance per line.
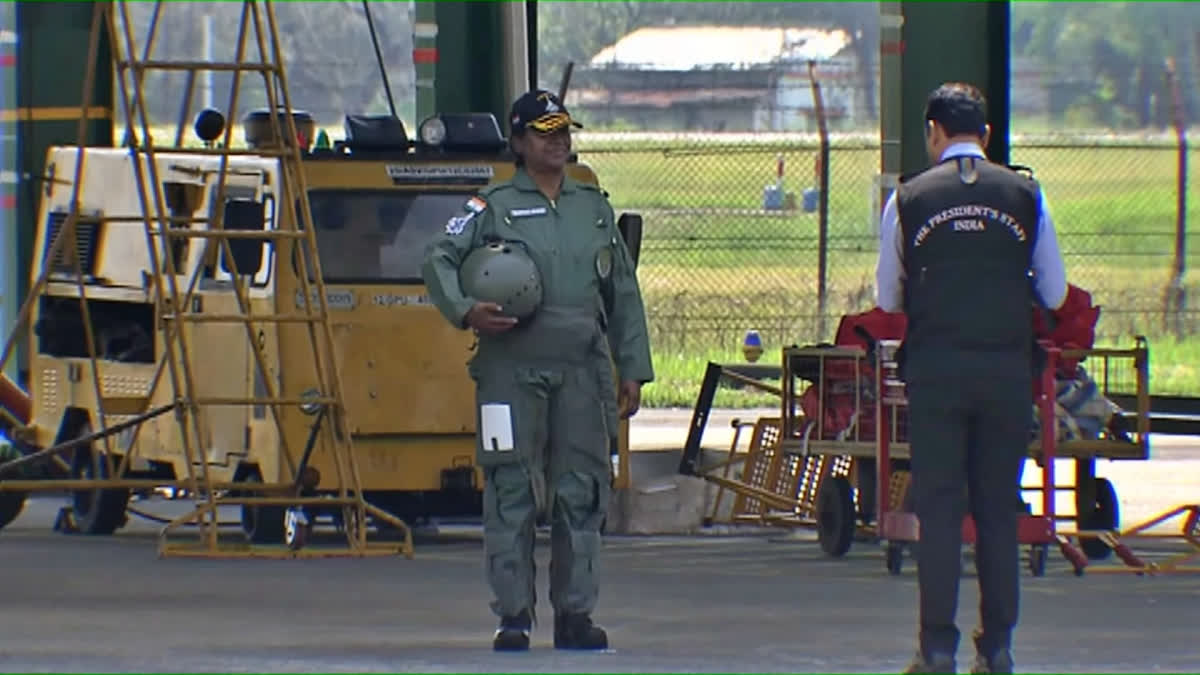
x=476, y=204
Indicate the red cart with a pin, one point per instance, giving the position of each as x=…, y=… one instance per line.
x=898, y=528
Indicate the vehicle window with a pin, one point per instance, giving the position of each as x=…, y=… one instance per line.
x=373, y=236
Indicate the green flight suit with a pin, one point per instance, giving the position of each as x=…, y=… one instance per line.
x=555, y=373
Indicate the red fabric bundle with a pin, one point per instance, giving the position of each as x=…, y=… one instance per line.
x=1073, y=326
x=839, y=375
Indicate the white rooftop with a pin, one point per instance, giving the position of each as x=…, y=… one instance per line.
x=690, y=47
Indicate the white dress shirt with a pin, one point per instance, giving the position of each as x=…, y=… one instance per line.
x=1050, y=280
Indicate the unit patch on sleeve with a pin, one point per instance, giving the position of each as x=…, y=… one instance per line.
x=525, y=213
x=457, y=224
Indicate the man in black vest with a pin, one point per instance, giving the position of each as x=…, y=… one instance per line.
x=967, y=248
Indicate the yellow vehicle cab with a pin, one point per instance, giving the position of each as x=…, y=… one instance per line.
x=377, y=198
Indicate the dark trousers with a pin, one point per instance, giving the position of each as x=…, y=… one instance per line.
x=969, y=437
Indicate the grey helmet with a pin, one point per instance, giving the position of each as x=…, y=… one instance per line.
x=503, y=273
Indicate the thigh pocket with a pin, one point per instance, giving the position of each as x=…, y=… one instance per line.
x=509, y=419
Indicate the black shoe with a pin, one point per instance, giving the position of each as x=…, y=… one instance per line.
x=576, y=631
x=1001, y=662
x=934, y=663
x=513, y=633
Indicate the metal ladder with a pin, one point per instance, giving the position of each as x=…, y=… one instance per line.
x=163, y=230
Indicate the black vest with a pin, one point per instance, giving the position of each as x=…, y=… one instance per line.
x=968, y=227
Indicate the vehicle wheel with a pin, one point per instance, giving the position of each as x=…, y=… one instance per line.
x=895, y=558
x=262, y=524
x=99, y=510
x=835, y=516
x=297, y=528
x=11, y=505
x=1105, y=515
x=1037, y=559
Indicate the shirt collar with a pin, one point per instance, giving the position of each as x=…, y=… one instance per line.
x=524, y=182
x=960, y=149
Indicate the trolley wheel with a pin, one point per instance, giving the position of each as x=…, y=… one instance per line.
x=297, y=528
x=11, y=505
x=1037, y=559
x=835, y=516
x=895, y=558
x=1105, y=515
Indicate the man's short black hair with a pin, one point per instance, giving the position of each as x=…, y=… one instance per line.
x=959, y=107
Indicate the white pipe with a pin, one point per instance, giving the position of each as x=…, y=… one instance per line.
x=516, y=50
x=208, y=57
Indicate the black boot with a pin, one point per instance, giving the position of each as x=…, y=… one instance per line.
x=999, y=662
x=513, y=633
x=934, y=663
x=991, y=653
x=576, y=631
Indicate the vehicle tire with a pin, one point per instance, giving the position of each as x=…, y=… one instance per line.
x=895, y=558
x=297, y=528
x=262, y=524
x=1105, y=515
x=835, y=516
x=98, y=510
x=11, y=505
x=1038, y=553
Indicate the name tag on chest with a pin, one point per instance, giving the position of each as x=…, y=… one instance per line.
x=526, y=213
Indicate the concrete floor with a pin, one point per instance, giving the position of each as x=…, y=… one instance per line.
x=682, y=604
x=720, y=601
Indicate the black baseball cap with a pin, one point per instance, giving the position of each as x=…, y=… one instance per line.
x=540, y=111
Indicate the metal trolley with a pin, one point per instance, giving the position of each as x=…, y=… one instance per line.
x=818, y=464
x=862, y=490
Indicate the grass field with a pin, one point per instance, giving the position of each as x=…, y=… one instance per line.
x=714, y=264
x=1174, y=366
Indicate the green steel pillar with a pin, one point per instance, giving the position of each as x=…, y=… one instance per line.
x=923, y=44
x=425, y=53
x=10, y=302
x=52, y=57
x=469, y=67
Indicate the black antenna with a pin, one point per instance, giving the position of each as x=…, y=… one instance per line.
x=387, y=88
x=566, y=82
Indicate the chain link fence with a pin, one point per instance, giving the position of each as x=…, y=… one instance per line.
x=731, y=239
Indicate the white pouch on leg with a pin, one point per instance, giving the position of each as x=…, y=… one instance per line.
x=496, y=432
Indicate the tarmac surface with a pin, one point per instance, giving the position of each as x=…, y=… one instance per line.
x=729, y=600
x=725, y=603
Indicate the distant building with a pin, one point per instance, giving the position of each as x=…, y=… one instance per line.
x=721, y=78
x=1030, y=88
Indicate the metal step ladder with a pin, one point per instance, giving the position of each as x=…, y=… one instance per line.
x=164, y=231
